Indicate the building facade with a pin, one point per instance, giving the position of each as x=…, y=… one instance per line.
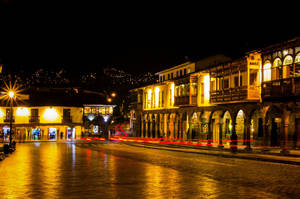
x=247, y=102
x=53, y=114
x=42, y=122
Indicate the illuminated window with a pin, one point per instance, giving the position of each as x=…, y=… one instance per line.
x=253, y=77
x=1, y=113
x=22, y=112
x=288, y=60
x=297, y=58
x=287, y=66
x=275, y=69
x=267, y=71
x=206, y=81
x=172, y=88
x=156, y=96
x=50, y=114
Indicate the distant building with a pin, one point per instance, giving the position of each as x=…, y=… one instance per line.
x=53, y=113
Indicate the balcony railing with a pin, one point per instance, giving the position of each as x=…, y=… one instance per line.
x=182, y=100
x=34, y=119
x=230, y=94
x=281, y=88
x=8, y=119
x=67, y=119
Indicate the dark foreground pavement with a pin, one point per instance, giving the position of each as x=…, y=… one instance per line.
x=118, y=170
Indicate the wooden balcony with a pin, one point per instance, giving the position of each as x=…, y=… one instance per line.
x=8, y=119
x=67, y=119
x=185, y=101
x=230, y=94
x=283, y=88
x=182, y=101
x=34, y=119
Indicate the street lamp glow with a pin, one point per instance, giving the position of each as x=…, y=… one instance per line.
x=113, y=94
x=109, y=99
x=11, y=94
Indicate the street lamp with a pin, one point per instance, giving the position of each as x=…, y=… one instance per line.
x=11, y=95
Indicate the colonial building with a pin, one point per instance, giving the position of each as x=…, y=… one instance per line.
x=54, y=114
x=248, y=102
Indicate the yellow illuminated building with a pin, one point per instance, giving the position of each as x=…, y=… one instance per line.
x=251, y=101
x=43, y=122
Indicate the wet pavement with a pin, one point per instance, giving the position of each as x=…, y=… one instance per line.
x=97, y=170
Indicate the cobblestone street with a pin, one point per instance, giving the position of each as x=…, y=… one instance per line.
x=98, y=170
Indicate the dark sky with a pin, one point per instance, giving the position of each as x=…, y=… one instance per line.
x=94, y=39
x=138, y=59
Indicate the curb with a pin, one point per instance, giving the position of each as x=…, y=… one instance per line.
x=219, y=153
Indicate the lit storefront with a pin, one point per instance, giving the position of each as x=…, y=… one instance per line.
x=95, y=115
x=42, y=123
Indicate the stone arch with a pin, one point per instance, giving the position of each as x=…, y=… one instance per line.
x=294, y=128
x=274, y=125
x=205, y=120
x=227, y=127
x=171, y=125
x=214, y=124
x=184, y=124
x=177, y=127
x=195, y=124
x=257, y=124
x=240, y=127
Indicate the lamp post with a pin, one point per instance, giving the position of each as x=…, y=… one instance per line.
x=11, y=94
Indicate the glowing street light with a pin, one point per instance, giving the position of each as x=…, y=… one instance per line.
x=113, y=94
x=11, y=94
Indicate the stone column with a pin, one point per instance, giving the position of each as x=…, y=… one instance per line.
x=233, y=137
x=285, y=124
x=168, y=127
x=247, y=130
x=220, y=135
x=265, y=132
x=209, y=132
x=142, y=126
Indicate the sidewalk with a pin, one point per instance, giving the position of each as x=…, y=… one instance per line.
x=272, y=155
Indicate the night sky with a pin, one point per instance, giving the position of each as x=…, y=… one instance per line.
x=92, y=40
x=138, y=59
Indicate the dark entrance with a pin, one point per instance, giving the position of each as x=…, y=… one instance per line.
x=274, y=133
